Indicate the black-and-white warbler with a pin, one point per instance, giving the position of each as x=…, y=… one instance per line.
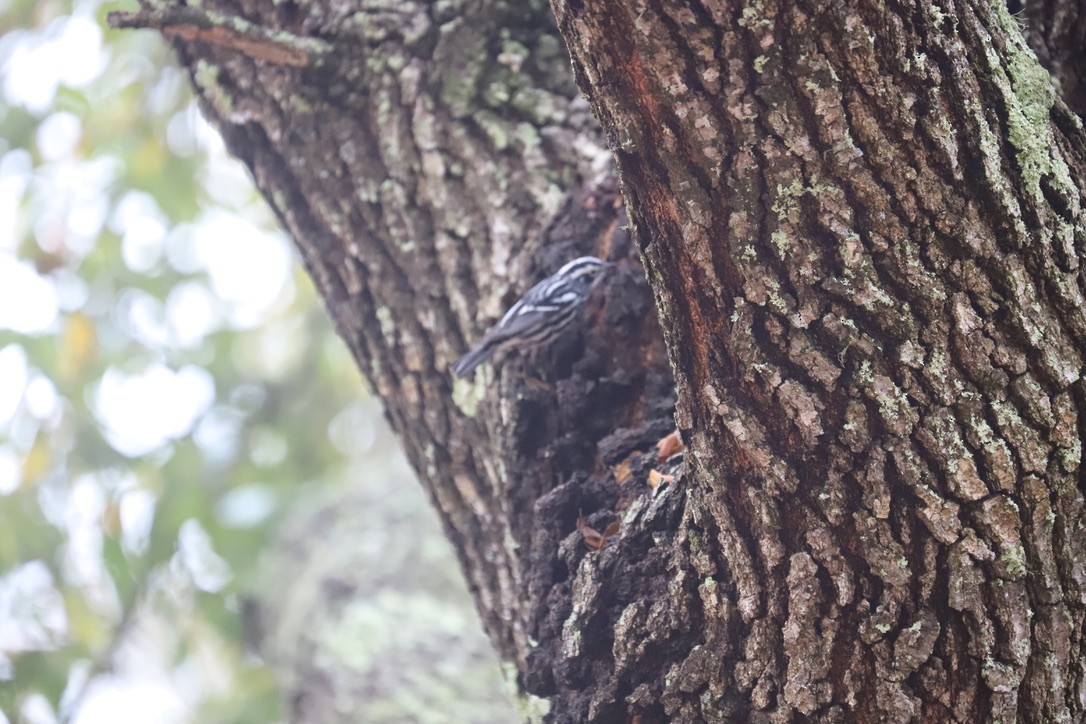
x=540, y=315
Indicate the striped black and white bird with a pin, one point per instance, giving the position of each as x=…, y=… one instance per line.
x=540, y=315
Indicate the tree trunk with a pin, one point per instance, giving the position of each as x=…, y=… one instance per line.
x=862, y=224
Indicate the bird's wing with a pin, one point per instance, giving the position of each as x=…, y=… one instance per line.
x=542, y=300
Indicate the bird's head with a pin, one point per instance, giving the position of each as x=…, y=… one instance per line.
x=583, y=272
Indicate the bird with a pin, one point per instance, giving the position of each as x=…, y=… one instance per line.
x=540, y=315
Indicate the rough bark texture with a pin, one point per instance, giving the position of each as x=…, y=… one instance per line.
x=862, y=223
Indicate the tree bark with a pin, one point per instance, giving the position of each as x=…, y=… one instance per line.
x=862, y=223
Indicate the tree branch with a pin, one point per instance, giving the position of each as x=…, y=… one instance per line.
x=232, y=33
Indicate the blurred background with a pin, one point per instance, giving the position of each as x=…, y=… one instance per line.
x=187, y=451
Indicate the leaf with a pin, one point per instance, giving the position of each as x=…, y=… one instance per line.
x=79, y=345
x=38, y=462
x=88, y=630
x=622, y=472
x=592, y=537
x=45, y=672
x=656, y=477
x=668, y=446
x=120, y=569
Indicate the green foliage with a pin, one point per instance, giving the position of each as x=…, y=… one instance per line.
x=174, y=386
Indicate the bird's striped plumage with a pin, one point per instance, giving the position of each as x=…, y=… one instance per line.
x=540, y=315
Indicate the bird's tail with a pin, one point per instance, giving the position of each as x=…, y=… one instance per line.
x=467, y=364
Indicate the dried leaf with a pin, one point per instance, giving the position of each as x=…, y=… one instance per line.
x=668, y=446
x=656, y=477
x=622, y=471
x=592, y=537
